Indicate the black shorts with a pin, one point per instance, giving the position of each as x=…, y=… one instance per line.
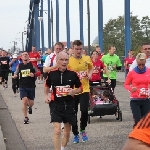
x=40, y=69
x=27, y=92
x=4, y=75
x=59, y=114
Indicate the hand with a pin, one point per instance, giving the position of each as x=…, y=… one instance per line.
x=47, y=100
x=133, y=89
x=71, y=92
x=114, y=66
x=109, y=81
x=13, y=60
x=89, y=76
x=31, y=74
x=15, y=76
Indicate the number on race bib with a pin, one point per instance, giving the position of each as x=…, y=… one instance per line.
x=62, y=90
x=25, y=73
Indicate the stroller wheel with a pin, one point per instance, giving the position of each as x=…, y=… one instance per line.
x=88, y=119
x=120, y=115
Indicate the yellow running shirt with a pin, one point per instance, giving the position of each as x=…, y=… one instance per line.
x=81, y=66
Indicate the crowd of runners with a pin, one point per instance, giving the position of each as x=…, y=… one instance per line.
x=65, y=75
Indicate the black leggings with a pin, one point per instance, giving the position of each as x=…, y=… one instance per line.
x=15, y=84
x=83, y=99
x=4, y=75
x=139, y=109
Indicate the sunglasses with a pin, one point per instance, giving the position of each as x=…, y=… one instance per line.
x=147, y=49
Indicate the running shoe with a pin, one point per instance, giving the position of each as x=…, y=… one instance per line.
x=76, y=139
x=84, y=136
x=26, y=120
x=30, y=110
x=6, y=85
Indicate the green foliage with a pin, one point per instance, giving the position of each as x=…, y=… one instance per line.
x=114, y=33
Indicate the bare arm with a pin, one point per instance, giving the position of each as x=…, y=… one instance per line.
x=106, y=71
x=48, y=69
x=133, y=144
x=90, y=72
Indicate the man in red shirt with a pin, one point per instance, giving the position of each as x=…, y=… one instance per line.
x=128, y=61
x=34, y=56
x=98, y=49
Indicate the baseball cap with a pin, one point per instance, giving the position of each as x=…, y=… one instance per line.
x=141, y=56
x=14, y=56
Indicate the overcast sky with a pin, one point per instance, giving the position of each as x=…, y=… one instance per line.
x=14, y=13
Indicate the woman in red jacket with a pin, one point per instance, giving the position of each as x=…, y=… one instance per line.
x=137, y=83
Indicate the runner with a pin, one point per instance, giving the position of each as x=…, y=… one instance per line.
x=145, y=48
x=113, y=63
x=128, y=61
x=50, y=61
x=84, y=67
x=40, y=67
x=62, y=82
x=139, y=138
x=4, y=63
x=98, y=66
x=26, y=73
x=15, y=81
x=34, y=57
x=137, y=83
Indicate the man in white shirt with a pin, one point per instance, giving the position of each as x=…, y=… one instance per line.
x=145, y=48
x=50, y=61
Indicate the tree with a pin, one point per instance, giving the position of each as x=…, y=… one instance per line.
x=114, y=33
x=145, y=26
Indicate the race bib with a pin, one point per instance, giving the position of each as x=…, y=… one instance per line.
x=82, y=74
x=25, y=73
x=144, y=92
x=62, y=90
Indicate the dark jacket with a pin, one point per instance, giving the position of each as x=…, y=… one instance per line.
x=60, y=82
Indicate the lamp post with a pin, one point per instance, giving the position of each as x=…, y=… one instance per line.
x=23, y=33
x=15, y=43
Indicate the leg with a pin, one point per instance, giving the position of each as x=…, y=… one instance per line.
x=41, y=75
x=145, y=107
x=113, y=84
x=3, y=78
x=84, y=104
x=24, y=97
x=57, y=135
x=14, y=85
x=66, y=135
x=6, y=78
x=31, y=96
x=24, y=106
x=136, y=111
x=76, y=102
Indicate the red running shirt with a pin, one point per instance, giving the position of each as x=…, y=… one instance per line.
x=129, y=62
x=98, y=65
x=32, y=56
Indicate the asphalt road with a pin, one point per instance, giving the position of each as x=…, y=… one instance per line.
x=104, y=134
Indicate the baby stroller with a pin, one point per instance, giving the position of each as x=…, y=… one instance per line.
x=98, y=106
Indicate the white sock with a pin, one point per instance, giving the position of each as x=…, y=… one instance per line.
x=62, y=148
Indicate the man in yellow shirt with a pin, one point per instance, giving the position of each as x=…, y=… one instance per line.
x=83, y=66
